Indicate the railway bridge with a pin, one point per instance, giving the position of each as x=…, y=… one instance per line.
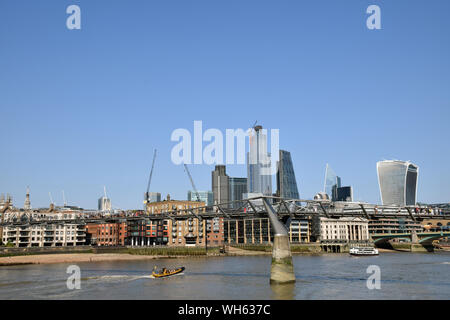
x=419, y=241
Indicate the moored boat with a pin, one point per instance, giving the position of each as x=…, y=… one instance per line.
x=363, y=251
x=166, y=272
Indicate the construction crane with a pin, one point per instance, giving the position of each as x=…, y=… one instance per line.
x=51, y=199
x=147, y=196
x=192, y=182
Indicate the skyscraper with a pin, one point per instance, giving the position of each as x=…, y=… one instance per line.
x=152, y=197
x=259, y=178
x=238, y=186
x=205, y=196
x=220, y=185
x=286, y=182
x=343, y=194
x=398, y=182
x=104, y=204
x=332, y=182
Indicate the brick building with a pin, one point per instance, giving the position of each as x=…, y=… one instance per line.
x=107, y=234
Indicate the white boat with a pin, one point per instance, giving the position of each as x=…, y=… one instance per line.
x=363, y=251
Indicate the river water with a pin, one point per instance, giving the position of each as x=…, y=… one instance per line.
x=327, y=276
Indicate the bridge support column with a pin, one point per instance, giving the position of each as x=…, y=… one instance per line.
x=417, y=247
x=414, y=238
x=282, y=269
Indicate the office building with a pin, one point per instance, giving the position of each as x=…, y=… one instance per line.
x=286, y=182
x=152, y=196
x=104, y=204
x=238, y=187
x=205, y=196
x=345, y=229
x=394, y=225
x=332, y=182
x=398, y=182
x=259, y=178
x=343, y=194
x=220, y=185
x=259, y=231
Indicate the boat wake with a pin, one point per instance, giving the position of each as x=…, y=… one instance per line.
x=118, y=277
x=175, y=275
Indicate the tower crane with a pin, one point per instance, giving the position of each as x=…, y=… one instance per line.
x=147, y=196
x=51, y=199
x=192, y=182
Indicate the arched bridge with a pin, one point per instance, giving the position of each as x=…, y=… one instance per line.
x=423, y=237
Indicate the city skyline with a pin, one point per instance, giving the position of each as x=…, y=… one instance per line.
x=85, y=108
x=209, y=193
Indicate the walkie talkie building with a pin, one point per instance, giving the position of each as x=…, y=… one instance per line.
x=398, y=182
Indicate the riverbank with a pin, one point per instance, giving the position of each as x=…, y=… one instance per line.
x=71, y=258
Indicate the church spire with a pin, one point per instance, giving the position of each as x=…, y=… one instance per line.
x=27, y=204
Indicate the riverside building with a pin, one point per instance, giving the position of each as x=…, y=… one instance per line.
x=45, y=235
x=171, y=205
x=106, y=234
x=259, y=231
x=345, y=229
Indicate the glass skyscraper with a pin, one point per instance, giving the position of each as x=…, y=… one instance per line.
x=286, y=182
x=259, y=177
x=332, y=183
x=343, y=194
x=153, y=196
x=398, y=182
x=238, y=186
x=205, y=196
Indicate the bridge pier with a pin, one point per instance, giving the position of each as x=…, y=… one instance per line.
x=282, y=268
x=417, y=247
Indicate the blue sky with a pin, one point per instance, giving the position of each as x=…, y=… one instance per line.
x=85, y=108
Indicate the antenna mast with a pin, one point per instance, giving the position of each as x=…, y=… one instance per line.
x=64, y=199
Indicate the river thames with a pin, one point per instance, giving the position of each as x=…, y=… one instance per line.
x=326, y=276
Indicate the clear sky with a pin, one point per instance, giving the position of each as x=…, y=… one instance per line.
x=81, y=109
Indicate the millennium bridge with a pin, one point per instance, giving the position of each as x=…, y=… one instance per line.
x=249, y=208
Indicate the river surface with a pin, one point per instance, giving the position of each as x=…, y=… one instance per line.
x=327, y=276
